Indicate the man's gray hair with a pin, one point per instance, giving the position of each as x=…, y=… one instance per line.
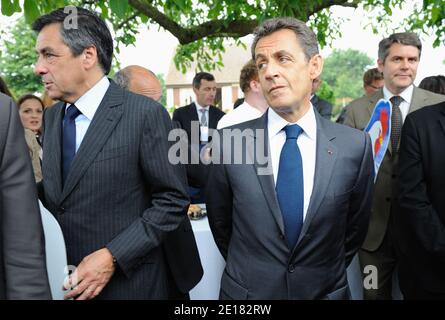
x=122, y=79
x=305, y=36
x=405, y=38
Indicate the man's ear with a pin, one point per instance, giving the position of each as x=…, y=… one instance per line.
x=255, y=86
x=380, y=64
x=90, y=58
x=315, y=66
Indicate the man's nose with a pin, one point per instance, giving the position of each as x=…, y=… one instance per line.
x=39, y=68
x=404, y=64
x=271, y=71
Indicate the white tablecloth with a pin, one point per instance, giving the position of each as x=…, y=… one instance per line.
x=211, y=260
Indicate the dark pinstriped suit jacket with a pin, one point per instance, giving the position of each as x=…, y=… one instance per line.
x=121, y=192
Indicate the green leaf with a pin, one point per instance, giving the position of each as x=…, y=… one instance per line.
x=7, y=8
x=119, y=7
x=32, y=12
x=435, y=14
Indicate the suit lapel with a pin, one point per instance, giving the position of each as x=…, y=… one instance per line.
x=442, y=118
x=418, y=100
x=373, y=100
x=104, y=121
x=213, y=122
x=193, y=114
x=266, y=181
x=326, y=155
x=54, y=141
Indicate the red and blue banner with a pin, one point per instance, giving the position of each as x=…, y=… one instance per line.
x=379, y=128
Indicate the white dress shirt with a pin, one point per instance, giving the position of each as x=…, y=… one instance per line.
x=406, y=94
x=88, y=104
x=243, y=113
x=198, y=110
x=307, y=143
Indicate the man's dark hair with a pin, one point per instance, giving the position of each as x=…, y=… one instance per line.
x=434, y=84
x=202, y=75
x=372, y=75
x=91, y=31
x=405, y=38
x=29, y=96
x=304, y=35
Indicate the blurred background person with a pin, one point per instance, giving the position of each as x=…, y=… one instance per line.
x=139, y=80
x=434, y=84
x=323, y=107
x=31, y=114
x=254, y=104
x=372, y=81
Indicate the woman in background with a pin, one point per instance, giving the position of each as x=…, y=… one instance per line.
x=31, y=113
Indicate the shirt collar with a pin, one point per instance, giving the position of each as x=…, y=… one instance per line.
x=199, y=107
x=308, y=123
x=405, y=94
x=90, y=101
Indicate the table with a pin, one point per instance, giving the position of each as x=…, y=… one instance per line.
x=212, y=262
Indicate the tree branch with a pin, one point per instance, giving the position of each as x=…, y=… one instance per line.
x=120, y=25
x=220, y=28
x=329, y=3
x=214, y=28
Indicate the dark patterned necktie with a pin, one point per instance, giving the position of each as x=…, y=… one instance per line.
x=396, y=122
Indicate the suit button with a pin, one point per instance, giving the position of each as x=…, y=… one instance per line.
x=61, y=210
x=291, y=268
x=281, y=236
x=388, y=199
x=394, y=176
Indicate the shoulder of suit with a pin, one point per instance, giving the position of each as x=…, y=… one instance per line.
x=431, y=97
x=216, y=109
x=430, y=111
x=364, y=101
x=338, y=130
x=184, y=108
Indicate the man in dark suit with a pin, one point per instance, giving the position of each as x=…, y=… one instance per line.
x=323, y=107
x=203, y=116
x=180, y=248
x=288, y=227
x=22, y=255
x=422, y=204
x=398, y=59
x=106, y=173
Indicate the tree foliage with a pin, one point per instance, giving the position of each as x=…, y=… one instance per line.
x=200, y=26
x=343, y=72
x=17, y=59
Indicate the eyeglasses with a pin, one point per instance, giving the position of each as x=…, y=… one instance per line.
x=375, y=87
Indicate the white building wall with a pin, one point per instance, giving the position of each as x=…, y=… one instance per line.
x=226, y=97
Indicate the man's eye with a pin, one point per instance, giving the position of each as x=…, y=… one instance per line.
x=283, y=59
x=261, y=65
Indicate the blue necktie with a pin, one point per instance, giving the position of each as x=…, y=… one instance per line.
x=290, y=186
x=69, y=139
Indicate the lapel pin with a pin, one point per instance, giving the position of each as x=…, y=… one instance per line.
x=330, y=152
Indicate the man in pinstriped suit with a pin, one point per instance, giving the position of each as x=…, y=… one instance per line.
x=106, y=174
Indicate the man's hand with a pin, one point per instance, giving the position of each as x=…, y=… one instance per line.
x=91, y=276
